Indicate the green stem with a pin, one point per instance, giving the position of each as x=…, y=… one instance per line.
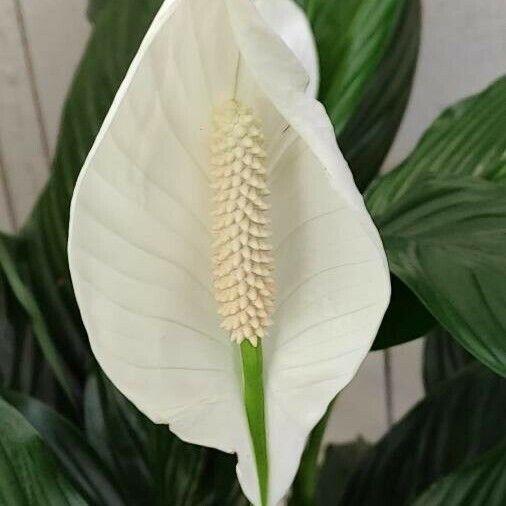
x=253, y=386
x=304, y=486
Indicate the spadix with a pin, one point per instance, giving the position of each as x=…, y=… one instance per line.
x=243, y=261
x=183, y=226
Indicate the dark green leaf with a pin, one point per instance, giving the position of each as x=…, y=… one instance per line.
x=405, y=319
x=483, y=482
x=369, y=133
x=81, y=464
x=7, y=339
x=463, y=418
x=29, y=474
x=352, y=36
x=468, y=139
x=117, y=431
x=446, y=239
x=443, y=358
x=339, y=463
x=25, y=353
x=153, y=465
x=26, y=300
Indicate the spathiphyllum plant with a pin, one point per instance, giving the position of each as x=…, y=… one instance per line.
x=228, y=274
x=203, y=274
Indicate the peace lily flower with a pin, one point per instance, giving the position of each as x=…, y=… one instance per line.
x=216, y=209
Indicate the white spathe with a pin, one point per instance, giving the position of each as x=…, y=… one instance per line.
x=139, y=240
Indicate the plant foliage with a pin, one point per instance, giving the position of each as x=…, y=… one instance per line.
x=69, y=437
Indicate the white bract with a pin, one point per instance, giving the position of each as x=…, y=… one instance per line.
x=141, y=234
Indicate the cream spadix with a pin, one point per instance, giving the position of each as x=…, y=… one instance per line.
x=141, y=239
x=243, y=261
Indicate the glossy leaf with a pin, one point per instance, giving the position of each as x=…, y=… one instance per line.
x=481, y=482
x=352, y=37
x=77, y=459
x=7, y=338
x=446, y=239
x=370, y=131
x=29, y=473
x=151, y=463
x=443, y=358
x=406, y=318
x=467, y=141
x=27, y=301
x=463, y=418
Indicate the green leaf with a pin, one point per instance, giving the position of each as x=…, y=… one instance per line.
x=446, y=239
x=443, y=358
x=352, y=36
x=154, y=466
x=81, y=464
x=462, y=419
x=29, y=474
x=370, y=132
x=481, y=482
x=405, y=319
x=26, y=300
x=468, y=139
x=117, y=432
x=461, y=156
x=7, y=337
x=338, y=466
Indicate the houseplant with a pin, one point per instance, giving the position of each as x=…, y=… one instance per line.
x=442, y=219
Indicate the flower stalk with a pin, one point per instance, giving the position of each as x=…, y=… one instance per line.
x=253, y=389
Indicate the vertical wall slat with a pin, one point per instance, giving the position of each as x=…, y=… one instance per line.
x=30, y=74
x=24, y=166
x=57, y=31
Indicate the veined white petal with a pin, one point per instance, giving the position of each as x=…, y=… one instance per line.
x=139, y=241
x=290, y=22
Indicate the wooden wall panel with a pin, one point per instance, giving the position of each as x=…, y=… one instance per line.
x=57, y=31
x=24, y=164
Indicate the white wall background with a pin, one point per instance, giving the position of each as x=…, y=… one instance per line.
x=463, y=49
